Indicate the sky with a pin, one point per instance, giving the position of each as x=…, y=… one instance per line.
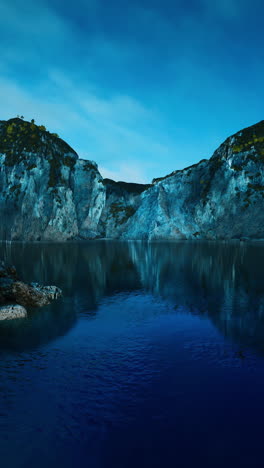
x=142, y=87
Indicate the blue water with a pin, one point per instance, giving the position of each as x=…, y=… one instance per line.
x=153, y=358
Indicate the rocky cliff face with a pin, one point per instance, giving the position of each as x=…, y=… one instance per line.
x=219, y=198
x=121, y=203
x=48, y=193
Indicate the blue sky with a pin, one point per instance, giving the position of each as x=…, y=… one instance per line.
x=143, y=87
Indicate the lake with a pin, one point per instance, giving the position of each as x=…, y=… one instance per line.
x=154, y=357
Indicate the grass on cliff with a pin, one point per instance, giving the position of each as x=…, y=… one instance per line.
x=250, y=137
x=19, y=137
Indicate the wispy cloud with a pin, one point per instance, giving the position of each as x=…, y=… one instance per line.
x=15, y=100
x=114, y=130
x=119, y=129
x=126, y=172
x=114, y=127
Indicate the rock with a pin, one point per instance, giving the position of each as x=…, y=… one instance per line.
x=14, y=290
x=10, y=312
x=34, y=295
x=219, y=198
x=48, y=193
x=6, y=271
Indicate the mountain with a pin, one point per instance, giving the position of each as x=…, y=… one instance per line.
x=48, y=193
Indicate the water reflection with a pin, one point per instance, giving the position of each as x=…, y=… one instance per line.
x=39, y=328
x=221, y=281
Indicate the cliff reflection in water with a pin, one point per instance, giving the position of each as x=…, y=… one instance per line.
x=221, y=281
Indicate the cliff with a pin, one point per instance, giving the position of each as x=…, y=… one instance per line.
x=219, y=198
x=48, y=193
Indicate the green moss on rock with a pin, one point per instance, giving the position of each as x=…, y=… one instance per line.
x=18, y=138
x=250, y=137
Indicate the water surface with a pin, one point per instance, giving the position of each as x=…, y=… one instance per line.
x=153, y=358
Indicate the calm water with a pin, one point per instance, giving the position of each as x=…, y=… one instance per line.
x=153, y=358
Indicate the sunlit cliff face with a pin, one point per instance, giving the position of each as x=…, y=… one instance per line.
x=48, y=193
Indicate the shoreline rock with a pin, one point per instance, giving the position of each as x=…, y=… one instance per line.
x=11, y=312
x=15, y=295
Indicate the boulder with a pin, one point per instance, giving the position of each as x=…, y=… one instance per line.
x=10, y=312
x=14, y=291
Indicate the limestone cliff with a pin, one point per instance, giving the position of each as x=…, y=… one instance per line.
x=219, y=198
x=48, y=193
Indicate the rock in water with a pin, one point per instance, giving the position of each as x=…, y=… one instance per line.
x=34, y=294
x=10, y=312
x=12, y=290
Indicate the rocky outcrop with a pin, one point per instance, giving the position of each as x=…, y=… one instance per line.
x=15, y=294
x=48, y=193
x=219, y=198
x=11, y=312
x=121, y=202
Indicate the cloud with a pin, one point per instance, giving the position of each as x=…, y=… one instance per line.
x=100, y=123
x=17, y=101
x=143, y=95
x=118, y=126
x=125, y=172
x=111, y=131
